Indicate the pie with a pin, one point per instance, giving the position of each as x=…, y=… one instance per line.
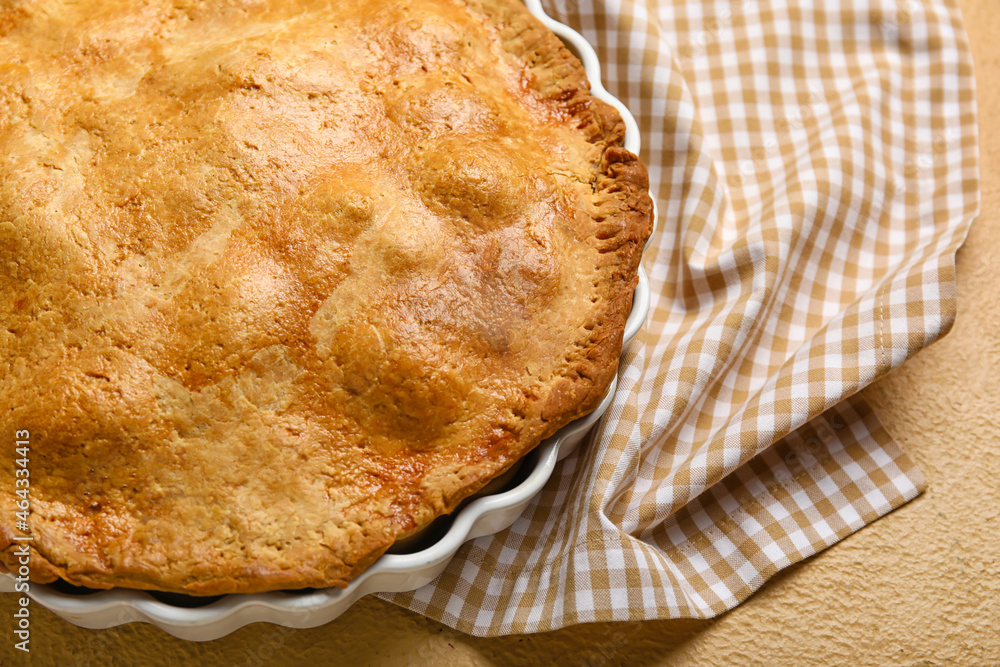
x=285, y=280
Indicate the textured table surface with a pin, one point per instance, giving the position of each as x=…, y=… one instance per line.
x=919, y=587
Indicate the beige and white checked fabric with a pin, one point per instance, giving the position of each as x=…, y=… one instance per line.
x=815, y=164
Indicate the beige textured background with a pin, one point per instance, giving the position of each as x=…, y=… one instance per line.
x=919, y=587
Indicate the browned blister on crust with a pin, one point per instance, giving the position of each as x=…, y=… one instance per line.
x=284, y=282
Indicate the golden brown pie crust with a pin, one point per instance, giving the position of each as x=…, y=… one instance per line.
x=285, y=280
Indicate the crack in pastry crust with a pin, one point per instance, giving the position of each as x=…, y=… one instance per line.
x=285, y=281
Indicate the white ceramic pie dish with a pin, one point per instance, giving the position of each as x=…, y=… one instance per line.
x=218, y=616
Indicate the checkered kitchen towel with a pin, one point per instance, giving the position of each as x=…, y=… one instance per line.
x=815, y=164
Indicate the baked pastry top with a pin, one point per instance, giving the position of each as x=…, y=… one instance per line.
x=285, y=280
